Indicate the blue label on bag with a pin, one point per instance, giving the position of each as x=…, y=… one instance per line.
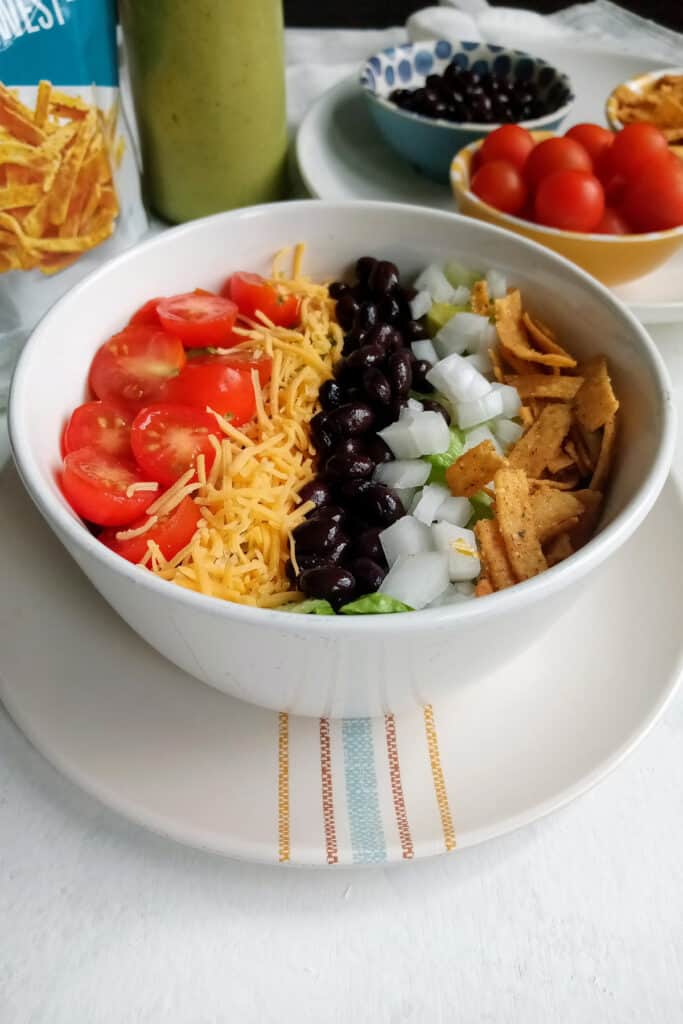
x=68, y=42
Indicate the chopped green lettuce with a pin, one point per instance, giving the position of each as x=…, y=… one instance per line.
x=374, y=604
x=457, y=274
x=481, y=508
x=312, y=606
x=440, y=314
x=443, y=460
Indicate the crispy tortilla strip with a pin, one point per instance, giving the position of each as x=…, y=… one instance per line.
x=493, y=554
x=551, y=509
x=558, y=549
x=516, y=523
x=545, y=339
x=592, y=502
x=72, y=107
x=543, y=440
x=18, y=119
x=473, y=470
x=20, y=155
x=542, y=385
x=595, y=402
x=64, y=182
x=604, y=463
x=481, y=303
x=53, y=264
x=19, y=195
x=562, y=462
x=526, y=416
x=483, y=588
x=494, y=356
x=42, y=110
x=514, y=338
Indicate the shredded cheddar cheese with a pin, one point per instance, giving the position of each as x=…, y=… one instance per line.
x=247, y=502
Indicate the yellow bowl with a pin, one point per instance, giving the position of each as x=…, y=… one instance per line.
x=613, y=259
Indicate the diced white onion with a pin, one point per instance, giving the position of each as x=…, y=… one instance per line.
x=414, y=405
x=450, y=596
x=507, y=432
x=512, y=403
x=461, y=295
x=469, y=414
x=424, y=349
x=461, y=545
x=480, y=361
x=403, y=473
x=454, y=510
x=488, y=339
x=458, y=380
x=406, y=495
x=497, y=284
x=420, y=305
x=400, y=440
x=429, y=432
x=417, y=580
x=460, y=333
x=479, y=434
x=428, y=502
x=467, y=589
x=407, y=536
x=433, y=280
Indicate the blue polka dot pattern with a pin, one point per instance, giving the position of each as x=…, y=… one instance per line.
x=462, y=60
x=405, y=70
x=443, y=49
x=495, y=49
x=470, y=46
x=389, y=75
x=481, y=67
x=424, y=62
x=376, y=65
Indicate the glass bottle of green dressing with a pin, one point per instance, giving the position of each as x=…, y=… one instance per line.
x=209, y=94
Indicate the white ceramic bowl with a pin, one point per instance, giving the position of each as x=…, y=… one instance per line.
x=319, y=665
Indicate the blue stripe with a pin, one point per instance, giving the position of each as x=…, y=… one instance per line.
x=365, y=822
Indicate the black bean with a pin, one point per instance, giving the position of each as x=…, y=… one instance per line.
x=414, y=331
x=335, y=556
x=396, y=342
x=376, y=386
x=338, y=288
x=368, y=574
x=356, y=337
x=389, y=310
x=378, y=450
x=364, y=268
x=384, y=277
x=351, y=492
x=346, y=310
x=316, y=534
x=350, y=446
x=321, y=432
x=381, y=335
x=350, y=419
x=344, y=467
x=366, y=317
x=421, y=368
x=333, y=512
x=328, y=583
x=367, y=355
x=400, y=373
x=381, y=504
x=398, y=404
x=317, y=491
x=431, y=406
x=368, y=545
x=331, y=395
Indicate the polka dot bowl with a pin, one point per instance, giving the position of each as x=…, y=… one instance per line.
x=429, y=143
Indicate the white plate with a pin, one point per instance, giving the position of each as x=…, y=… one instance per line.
x=193, y=764
x=341, y=156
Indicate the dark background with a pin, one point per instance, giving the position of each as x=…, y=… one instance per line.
x=381, y=13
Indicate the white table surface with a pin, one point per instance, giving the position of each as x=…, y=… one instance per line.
x=574, y=920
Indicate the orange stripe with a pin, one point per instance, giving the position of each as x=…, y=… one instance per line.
x=283, y=786
x=439, y=781
x=327, y=793
x=397, y=788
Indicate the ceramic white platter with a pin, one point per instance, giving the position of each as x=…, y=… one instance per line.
x=207, y=770
x=341, y=156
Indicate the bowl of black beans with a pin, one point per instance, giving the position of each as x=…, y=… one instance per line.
x=429, y=99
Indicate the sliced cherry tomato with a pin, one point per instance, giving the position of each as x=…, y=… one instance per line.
x=96, y=483
x=132, y=366
x=171, y=532
x=500, y=184
x=167, y=438
x=654, y=200
x=556, y=154
x=222, y=383
x=240, y=359
x=510, y=142
x=570, y=200
x=635, y=147
x=198, y=318
x=147, y=314
x=101, y=425
x=612, y=223
x=594, y=138
x=252, y=292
